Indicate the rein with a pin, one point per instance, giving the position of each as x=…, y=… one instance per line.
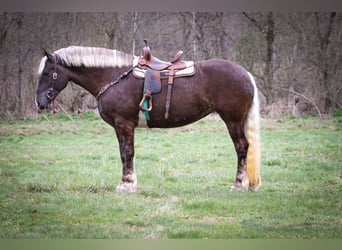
x=108, y=85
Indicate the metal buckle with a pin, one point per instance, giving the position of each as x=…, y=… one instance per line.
x=54, y=76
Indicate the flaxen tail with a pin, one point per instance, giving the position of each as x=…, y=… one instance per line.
x=252, y=132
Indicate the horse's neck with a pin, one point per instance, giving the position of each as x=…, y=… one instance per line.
x=93, y=79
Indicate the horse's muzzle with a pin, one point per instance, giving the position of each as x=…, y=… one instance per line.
x=42, y=105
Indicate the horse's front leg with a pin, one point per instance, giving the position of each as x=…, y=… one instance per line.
x=125, y=134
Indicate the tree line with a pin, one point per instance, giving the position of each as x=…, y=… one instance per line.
x=296, y=58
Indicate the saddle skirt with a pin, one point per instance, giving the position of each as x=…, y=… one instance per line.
x=152, y=80
x=189, y=70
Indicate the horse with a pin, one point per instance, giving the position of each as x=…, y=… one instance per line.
x=218, y=86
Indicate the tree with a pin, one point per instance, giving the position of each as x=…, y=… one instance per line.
x=20, y=55
x=265, y=23
x=320, y=36
x=288, y=53
x=328, y=59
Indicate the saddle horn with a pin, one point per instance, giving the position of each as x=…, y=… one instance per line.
x=146, y=52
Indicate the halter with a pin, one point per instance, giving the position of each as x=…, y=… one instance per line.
x=50, y=94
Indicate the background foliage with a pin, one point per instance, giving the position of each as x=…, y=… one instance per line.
x=295, y=57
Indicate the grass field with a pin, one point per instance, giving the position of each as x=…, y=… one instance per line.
x=58, y=179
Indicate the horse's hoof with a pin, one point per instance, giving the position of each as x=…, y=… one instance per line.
x=238, y=188
x=254, y=189
x=126, y=187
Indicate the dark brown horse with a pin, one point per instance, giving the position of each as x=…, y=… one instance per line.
x=217, y=86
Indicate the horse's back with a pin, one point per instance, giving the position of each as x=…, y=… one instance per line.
x=217, y=86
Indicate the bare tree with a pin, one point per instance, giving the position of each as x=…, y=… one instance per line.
x=135, y=28
x=210, y=35
x=265, y=23
x=320, y=36
x=298, y=52
x=326, y=61
x=20, y=55
x=187, y=22
x=5, y=23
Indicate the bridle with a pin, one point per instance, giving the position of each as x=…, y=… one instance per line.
x=51, y=92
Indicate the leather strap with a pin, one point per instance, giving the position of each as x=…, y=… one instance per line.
x=108, y=85
x=168, y=99
x=169, y=91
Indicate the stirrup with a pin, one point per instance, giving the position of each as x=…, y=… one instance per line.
x=149, y=103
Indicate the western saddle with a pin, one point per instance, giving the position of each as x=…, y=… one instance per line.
x=147, y=60
x=155, y=70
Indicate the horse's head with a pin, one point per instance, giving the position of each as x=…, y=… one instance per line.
x=52, y=80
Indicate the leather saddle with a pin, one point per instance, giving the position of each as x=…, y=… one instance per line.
x=153, y=70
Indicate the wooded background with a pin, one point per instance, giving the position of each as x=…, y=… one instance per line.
x=296, y=58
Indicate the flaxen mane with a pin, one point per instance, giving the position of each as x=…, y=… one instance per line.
x=90, y=57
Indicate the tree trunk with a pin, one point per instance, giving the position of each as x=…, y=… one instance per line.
x=135, y=28
x=324, y=40
x=194, y=46
x=19, y=22
x=270, y=58
x=268, y=31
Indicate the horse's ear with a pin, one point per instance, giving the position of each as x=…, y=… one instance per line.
x=47, y=54
x=44, y=52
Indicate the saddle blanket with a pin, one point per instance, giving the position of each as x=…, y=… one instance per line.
x=188, y=71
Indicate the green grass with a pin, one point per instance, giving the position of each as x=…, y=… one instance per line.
x=58, y=179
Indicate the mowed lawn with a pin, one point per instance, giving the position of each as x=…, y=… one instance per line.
x=58, y=179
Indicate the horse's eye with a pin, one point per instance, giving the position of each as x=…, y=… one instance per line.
x=50, y=94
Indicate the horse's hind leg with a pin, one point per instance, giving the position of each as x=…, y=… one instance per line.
x=236, y=132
